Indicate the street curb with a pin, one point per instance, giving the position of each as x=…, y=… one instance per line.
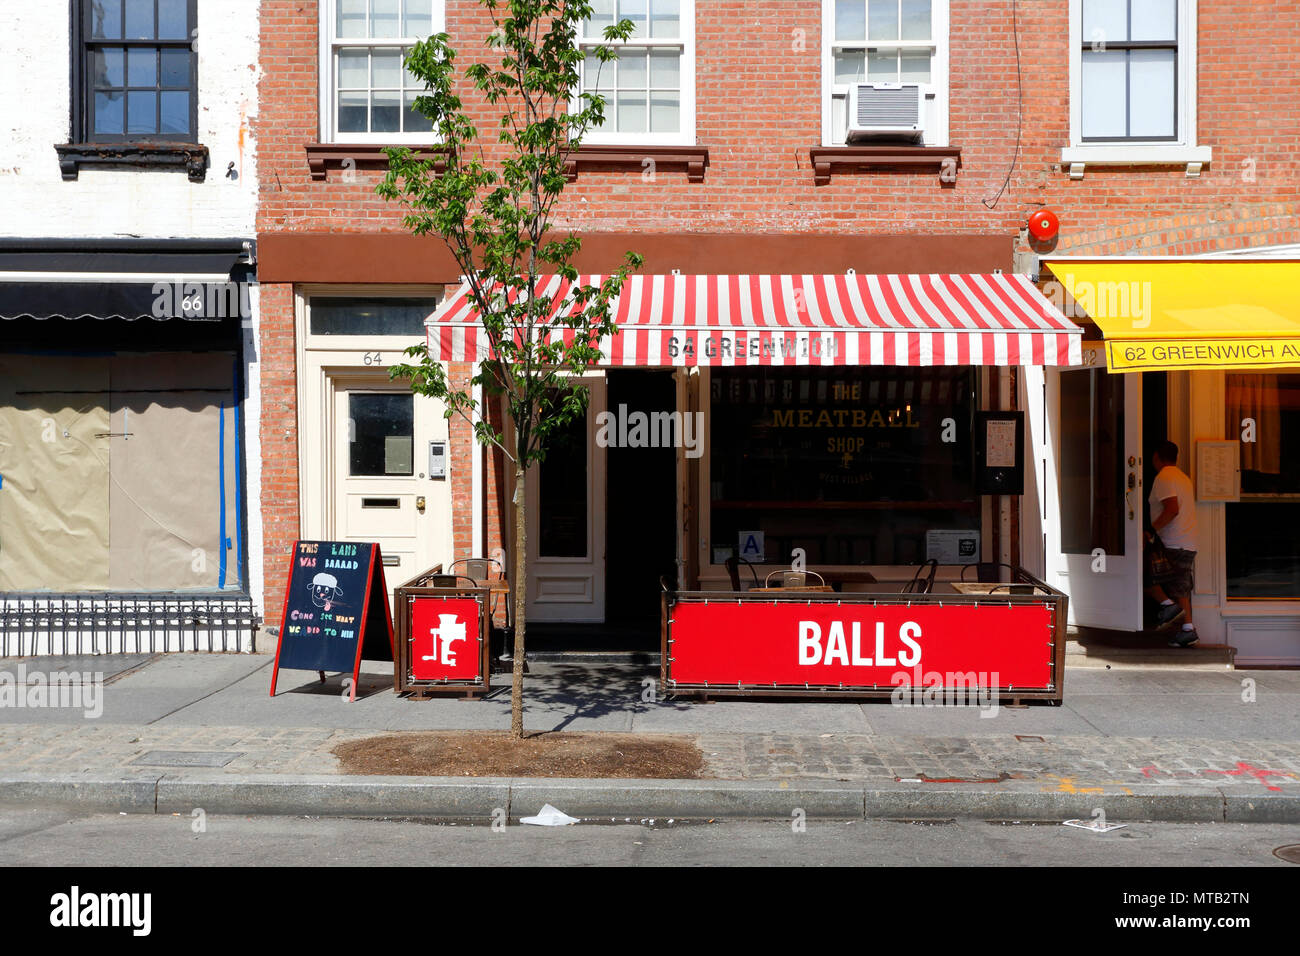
x=459, y=798
x=100, y=793
x=1003, y=803
x=452, y=798
x=1269, y=807
x=688, y=799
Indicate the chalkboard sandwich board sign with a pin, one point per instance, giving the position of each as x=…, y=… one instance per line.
x=335, y=610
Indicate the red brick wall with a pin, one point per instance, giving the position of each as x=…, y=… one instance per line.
x=759, y=178
x=1246, y=112
x=758, y=110
x=279, y=436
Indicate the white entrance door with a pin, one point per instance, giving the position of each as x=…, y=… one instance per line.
x=566, y=522
x=383, y=491
x=1094, y=494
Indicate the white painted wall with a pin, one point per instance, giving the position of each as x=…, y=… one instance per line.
x=34, y=73
x=253, y=463
x=1033, y=513
x=35, y=201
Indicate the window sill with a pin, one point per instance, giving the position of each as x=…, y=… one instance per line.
x=190, y=157
x=1078, y=158
x=694, y=159
x=352, y=156
x=829, y=160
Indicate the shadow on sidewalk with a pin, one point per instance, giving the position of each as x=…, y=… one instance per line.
x=590, y=690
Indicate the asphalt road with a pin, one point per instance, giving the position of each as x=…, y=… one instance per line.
x=43, y=837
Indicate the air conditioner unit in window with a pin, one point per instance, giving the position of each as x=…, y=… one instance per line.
x=885, y=110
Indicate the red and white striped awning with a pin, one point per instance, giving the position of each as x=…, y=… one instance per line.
x=672, y=320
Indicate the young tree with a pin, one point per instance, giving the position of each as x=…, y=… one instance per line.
x=493, y=207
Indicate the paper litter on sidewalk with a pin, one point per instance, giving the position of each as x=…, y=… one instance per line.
x=548, y=816
x=1096, y=826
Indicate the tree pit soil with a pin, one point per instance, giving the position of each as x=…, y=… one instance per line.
x=498, y=754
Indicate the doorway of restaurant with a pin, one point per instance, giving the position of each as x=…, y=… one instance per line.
x=1155, y=428
x=566, y=520
x=1095, y=493
x=640, y=526
x=602, y=525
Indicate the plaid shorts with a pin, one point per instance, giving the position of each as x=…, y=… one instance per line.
x=1179, y=580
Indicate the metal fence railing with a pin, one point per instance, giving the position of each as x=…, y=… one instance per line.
x=45, y=623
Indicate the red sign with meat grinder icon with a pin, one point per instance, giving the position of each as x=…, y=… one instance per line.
x=443, y=638
x=446, y=640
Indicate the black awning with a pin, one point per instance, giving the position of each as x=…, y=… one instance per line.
x=157, y=298
x=193, y=280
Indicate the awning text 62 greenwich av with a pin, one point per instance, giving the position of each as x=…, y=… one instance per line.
x=1171, y=314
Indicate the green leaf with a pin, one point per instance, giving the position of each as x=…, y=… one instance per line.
x=492, y=199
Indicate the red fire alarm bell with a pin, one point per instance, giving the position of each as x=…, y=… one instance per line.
x=1044, y=225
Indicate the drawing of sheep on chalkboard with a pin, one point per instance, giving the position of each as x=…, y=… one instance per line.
x=325, y=591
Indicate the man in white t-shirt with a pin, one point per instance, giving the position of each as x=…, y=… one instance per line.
x=1173, y=518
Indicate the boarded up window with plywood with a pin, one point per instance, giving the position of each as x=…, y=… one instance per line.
x=120, y=473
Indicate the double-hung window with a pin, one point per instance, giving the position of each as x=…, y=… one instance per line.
x=136, y=65
x=888, y=42
x=649, y=91
x=1133, y=84
x=368, y=95
x=1129, y=81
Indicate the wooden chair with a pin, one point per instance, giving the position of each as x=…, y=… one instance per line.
x=452, y=581
x=1018, y=588
x=480, y=569
x=733, y=571
x=791, y=578
x=921, y=583
x=484, y=572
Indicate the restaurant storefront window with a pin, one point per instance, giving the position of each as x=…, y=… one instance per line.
x=1263, y=551
x=852, y=465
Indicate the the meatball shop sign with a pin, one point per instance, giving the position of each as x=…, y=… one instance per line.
x=857, y=646
x=335, y=610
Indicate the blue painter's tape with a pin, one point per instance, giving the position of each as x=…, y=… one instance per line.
x=236, y=407
x=221, y=491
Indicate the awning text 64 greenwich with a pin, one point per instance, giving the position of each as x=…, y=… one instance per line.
x=739, y=320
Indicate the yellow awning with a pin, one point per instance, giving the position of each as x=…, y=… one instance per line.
x=1189, y=314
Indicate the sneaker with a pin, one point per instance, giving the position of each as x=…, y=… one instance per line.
x=1168, y=613
x=1184, y=639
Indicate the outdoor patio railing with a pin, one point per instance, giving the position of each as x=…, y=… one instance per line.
x=46, y=623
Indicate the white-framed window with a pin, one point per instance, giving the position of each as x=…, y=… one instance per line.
x=888, y=42
x=367, y=95
x=650, y=90
x=1133, y=84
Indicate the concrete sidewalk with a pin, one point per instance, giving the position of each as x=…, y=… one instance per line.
x=1138, y=744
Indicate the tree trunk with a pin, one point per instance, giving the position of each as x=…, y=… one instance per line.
x=521, y=600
